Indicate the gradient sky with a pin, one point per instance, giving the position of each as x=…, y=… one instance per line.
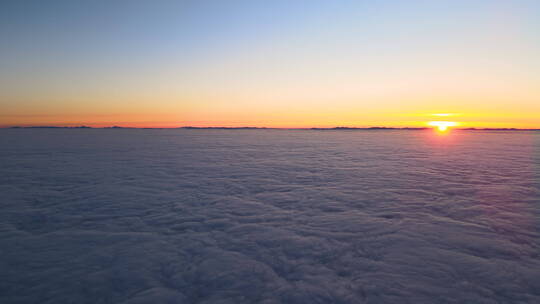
x=270, y=63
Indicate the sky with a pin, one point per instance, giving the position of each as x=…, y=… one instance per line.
x=270, y=63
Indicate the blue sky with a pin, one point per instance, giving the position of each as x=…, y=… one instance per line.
x=202, y=59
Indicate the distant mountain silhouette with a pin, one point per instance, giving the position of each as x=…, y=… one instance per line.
x=50, y=127
x=266, y=128
x=224, y=128
x=368, y=128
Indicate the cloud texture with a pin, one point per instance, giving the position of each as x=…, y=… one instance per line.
x=269, y=216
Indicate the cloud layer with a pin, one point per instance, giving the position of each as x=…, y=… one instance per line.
x=269, y=216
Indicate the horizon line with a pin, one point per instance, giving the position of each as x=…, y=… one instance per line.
x=262, y=128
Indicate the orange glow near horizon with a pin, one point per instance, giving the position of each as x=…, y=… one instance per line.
x=218, y=112
x=270, y=121
x=319, y=65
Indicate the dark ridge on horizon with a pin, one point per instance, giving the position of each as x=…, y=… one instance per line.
x=49, y=127
x=226, y=128
x=369, y=128
x=265, y=128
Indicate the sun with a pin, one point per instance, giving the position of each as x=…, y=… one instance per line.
x=442, y=126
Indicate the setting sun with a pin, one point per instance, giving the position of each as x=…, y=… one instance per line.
x=442, y=126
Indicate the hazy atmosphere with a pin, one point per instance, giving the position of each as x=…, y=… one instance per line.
x=273, y=152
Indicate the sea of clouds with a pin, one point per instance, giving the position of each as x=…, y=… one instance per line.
x=269, y=216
